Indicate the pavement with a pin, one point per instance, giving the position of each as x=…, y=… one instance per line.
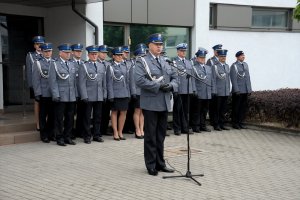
x=237, y=165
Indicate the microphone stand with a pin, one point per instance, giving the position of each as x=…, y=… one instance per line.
x=188, y=172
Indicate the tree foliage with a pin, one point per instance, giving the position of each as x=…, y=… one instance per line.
x=297, y=11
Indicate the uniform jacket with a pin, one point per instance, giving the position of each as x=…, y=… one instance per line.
x=62, y=80
x=240, y=77
x=30, y=58
x=40, y=74
x=152, y=98
x=92, y=81
x=207, y=86
x=137, y=89
x=118, y=86
x=222, y=77
x=77, y=70
x=212, y=61
x=182, y=78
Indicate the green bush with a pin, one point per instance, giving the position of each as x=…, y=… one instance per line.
x=282, y=106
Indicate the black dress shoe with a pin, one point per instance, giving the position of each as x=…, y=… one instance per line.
x=45, y=140
x=235, y=126
x=61, y=143
x=224, y=128
x=185, y=131
x=152, y=172
x=98, y=139
x=122, y=138
x=87, y=141
x=69, y=141
x=177, y=133
x=196, y=130
x=139, y=136
x=242, y=126
x=205, y=129
x=217, y=128
x=165, y=169
x=117, y=139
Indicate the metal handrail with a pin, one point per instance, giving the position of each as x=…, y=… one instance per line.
x=23, y=83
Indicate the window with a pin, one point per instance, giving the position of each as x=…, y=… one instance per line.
x=267, y=18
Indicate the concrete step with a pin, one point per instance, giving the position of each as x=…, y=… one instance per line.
x=19, y=137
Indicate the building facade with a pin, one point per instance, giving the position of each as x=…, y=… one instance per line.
x=264, y=30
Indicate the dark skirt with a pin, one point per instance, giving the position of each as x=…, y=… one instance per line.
x=120, y=104
x=137, y=102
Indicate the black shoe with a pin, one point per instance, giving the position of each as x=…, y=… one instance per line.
x=177, y=133
x=122, y=138
x=196, y=130
x=217, y=128
x=98, y=139
x=152, y=172
x=205, y=129
x=45, y=140
x=53, y=139
x=242, y=126
x=138, y=136
x=87, y=141
x=165, y=169
x=235, y=126
x=61, y=143
x=117, y=139
x=185, y=131
x=224, y=128
x=69, y=141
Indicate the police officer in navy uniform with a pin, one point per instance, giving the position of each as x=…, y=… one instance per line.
x=62, y=81
x=30, y=58
x=180, y=107
x=40, y=84
x=210, y=62
x=157, y=80
x=92, y=89
x=221, y=73
x=79, y=107
x=241, y=89
x=106, y=105
x=205, y=89
x=129, y=124
x=119, y=92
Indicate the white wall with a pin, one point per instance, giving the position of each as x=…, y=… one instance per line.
x=272, y=56
x=62, y=25
x=94, y=11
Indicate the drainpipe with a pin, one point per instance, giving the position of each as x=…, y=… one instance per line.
x=87, y=20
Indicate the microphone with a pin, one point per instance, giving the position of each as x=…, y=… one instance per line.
x=169, y=61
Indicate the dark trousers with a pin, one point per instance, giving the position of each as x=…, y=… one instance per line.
x=63, y=119
x=200, y=113
x=211, y=111
x=193, y=104
x=220, y=106
x=46, y=118
x=180, y=113
x=129, y=124
x=80, y=109
x=155, y=132
x=96, y=107
x=239, y=108
x=105, y=117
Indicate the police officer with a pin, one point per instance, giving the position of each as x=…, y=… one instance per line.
x=221, y=74
x=118, y=84
x=211, y=62
x=30, y=58
x=157, y=80
x=129, y=124
x=40, y=84
x=92, y=89
x=186, y=86
x=106, y=105
x=241, y=89
x=205, y=87
x=79, y=107
x=138, y=116
x=62, y=81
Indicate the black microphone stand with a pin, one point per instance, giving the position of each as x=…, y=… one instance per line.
x=188, y=173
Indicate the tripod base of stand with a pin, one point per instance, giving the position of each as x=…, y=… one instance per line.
x=187, y=175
